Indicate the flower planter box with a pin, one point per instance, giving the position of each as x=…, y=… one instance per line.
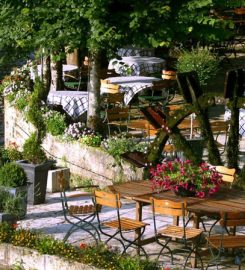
x=9, y=218
x=37, y=176
x=53, y=184
x=31, y=259
x=89, y=162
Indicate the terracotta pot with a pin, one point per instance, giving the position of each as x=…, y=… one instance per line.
x=168, y=75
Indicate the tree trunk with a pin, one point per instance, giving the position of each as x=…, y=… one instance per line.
x=56, y=75
x=233, y=139
x=46, y=73
x=93, y=116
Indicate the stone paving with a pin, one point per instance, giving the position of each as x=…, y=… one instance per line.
x=48, y=219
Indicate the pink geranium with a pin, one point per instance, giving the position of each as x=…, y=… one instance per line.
x=202, y=180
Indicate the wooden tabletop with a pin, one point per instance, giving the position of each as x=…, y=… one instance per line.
x=224, y=200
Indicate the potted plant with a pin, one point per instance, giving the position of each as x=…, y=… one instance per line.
x=36, y=166
x=13, y=180
x=7, y=200
x=202, y=61
x=185, y=178
x=36, y=163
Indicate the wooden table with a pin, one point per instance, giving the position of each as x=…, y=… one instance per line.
x=225, y=200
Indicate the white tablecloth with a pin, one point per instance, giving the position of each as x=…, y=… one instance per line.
x=138, y=65
x=64, y=67
x=227, y=116
x=75, y=103
x=131, y=85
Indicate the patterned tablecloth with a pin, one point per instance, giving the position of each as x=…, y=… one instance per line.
x=75, y=103
x=132, y=51
x=65, y=68
x=137, y=64
x=227, y=116
x=131, y=85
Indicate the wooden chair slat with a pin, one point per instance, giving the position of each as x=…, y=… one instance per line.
x=178, y=232
x=113, y=98
x=167, y=207
x=126, y=224
x=228, y=174
x=229, y=241
x=107, y=87
x=225, y=170
x=107, y=199
x=168, y=211
x=228, y=178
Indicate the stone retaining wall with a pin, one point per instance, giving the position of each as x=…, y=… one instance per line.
x=89, y=162
x=30, y=259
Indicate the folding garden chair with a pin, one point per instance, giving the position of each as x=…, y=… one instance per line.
x=79, y=216
x=188, y=237
x=121, y=225
x=160, y=93
x=228, y=177
x=219, y=244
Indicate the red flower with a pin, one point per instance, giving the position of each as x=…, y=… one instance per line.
x=82, y=245
x=14, y=225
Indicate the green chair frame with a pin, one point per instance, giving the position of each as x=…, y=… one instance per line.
x=179, y=233
x=80, y=217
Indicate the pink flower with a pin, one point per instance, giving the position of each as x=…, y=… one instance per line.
x=200, y=194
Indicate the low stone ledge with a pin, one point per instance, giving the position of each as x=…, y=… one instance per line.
x=31, y=259
x=88, y=162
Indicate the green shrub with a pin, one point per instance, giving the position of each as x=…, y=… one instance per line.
x=11, y=153
x=48, y=245
x=11, y=204
x=55, y=122
x=116, y=146
x=200, y=60
x=34, y=113
x=4, y=155
x=12, y=175
x=91, y=140
x=6, y=232
x=24, y=238
x=32, y=150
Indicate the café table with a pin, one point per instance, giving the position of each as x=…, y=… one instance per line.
x=74, y=103
x=138, y=65
x=130, y=85
x=65, y=68
x=226, y=200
